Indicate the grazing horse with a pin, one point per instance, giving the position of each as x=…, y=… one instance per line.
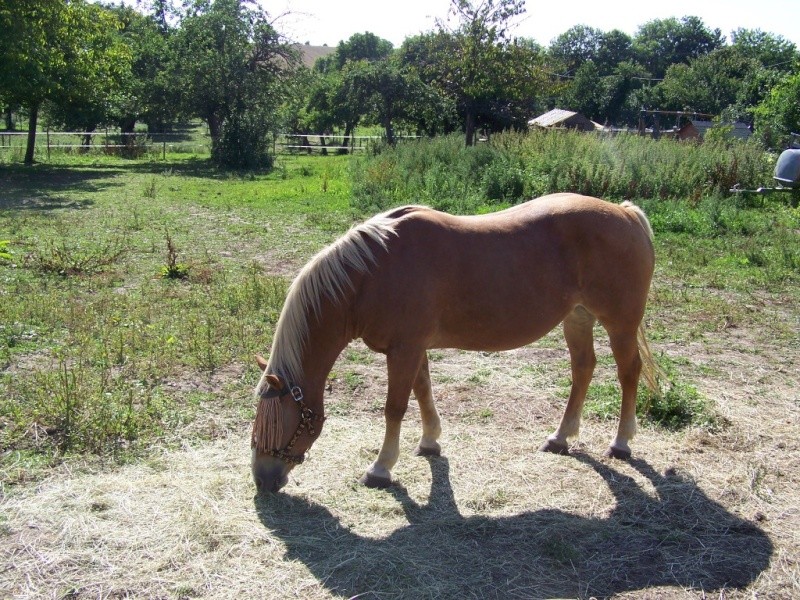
x=413, y=279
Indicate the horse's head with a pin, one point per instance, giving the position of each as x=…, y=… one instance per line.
x=283, y=430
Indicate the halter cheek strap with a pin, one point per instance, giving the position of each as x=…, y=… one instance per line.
x=307, y=420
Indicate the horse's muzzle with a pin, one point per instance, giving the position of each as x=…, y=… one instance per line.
x=269, y=474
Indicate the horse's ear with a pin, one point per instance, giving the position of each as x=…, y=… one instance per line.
x=274, y=382
x=262, y=362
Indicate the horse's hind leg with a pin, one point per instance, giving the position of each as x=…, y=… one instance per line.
x=578, y=333
x=431, y=425
x=629, y=366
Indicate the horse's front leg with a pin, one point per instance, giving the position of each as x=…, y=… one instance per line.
x=403, y=367
x=431, y=424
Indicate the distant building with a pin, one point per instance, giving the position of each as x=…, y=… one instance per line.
x=696, y=130
x=565, y=119
x=310, y=54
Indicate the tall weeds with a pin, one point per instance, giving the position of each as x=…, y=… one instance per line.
x=514, y=167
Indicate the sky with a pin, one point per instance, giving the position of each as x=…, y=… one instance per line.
x=327, y=22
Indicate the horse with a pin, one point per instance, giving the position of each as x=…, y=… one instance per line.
x=414, y=279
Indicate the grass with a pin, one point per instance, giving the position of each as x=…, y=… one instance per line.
x=126, y=279
x=128, y=275
x=125, y=401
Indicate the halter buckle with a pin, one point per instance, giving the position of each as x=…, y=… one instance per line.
x=297, y=393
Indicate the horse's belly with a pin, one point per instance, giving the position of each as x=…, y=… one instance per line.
x=498, y=331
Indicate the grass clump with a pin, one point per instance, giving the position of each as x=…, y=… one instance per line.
x=679, y=404
x=82, y=257
x=5, y=251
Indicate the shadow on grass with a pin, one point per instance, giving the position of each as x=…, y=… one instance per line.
x=43, y=187
x=678, y=538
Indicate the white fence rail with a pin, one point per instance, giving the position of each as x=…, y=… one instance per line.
x=114, y=142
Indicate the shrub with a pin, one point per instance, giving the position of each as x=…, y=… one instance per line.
x=244, y=143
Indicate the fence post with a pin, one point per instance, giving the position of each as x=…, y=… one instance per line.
x=48, y=143
x=164, y=150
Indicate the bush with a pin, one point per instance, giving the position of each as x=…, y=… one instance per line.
x=244, y=143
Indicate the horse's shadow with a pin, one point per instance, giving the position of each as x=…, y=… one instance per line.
x=679, y=537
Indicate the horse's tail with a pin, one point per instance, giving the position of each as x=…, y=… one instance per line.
x=641, y=216
x=651, y=372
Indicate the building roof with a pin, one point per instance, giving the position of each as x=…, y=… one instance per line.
x=310, y=53
x=552, y=118
x=558, y=117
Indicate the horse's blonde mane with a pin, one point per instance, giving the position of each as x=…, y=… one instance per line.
x=325, y=275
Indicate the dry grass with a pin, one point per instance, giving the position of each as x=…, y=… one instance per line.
x=695, y=515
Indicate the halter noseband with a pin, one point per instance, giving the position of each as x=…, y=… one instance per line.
x=307, y=419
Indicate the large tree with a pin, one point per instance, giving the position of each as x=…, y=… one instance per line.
x=231, y=66
x=346, y=80
x=575, y=46
x=772, y=51
x=474, y=70
x=66, y=52
x=709, y=84
x=148, y=94
x=664, y=42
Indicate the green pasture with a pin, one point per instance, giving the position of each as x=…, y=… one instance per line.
x=134, y=293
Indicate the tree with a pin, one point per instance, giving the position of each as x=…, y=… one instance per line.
x=423, y=55
x=391, y=93
x=575, y=46
x=231, y=67
x=664, y=42
x=64, y=52
x=582, y=94
x=709, y=84
x=772, y=51
x=142, y=91
x=472, y=71
x=148, y=94
x=615, y=47
x=361, y=46
x=618, y=93
x=779, y=114
x=342, y=84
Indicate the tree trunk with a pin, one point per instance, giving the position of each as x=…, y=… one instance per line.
x=32, y=121
x=469, y=129
x=9, y=119
x=87, y=141
x=214, y=127
x=348, y=131
x=126, y=127
x=387, y=125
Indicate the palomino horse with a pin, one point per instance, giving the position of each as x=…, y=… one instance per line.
x=413, y=279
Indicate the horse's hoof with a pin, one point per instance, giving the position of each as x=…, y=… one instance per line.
x=618, y=453
x=554, y=447
x=432, y=451
x=374, y=481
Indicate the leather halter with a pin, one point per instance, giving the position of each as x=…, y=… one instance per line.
x=307, y=419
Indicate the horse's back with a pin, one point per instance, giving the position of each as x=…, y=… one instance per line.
x=504, y=279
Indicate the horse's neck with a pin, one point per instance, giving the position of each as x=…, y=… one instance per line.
x=327, y=337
